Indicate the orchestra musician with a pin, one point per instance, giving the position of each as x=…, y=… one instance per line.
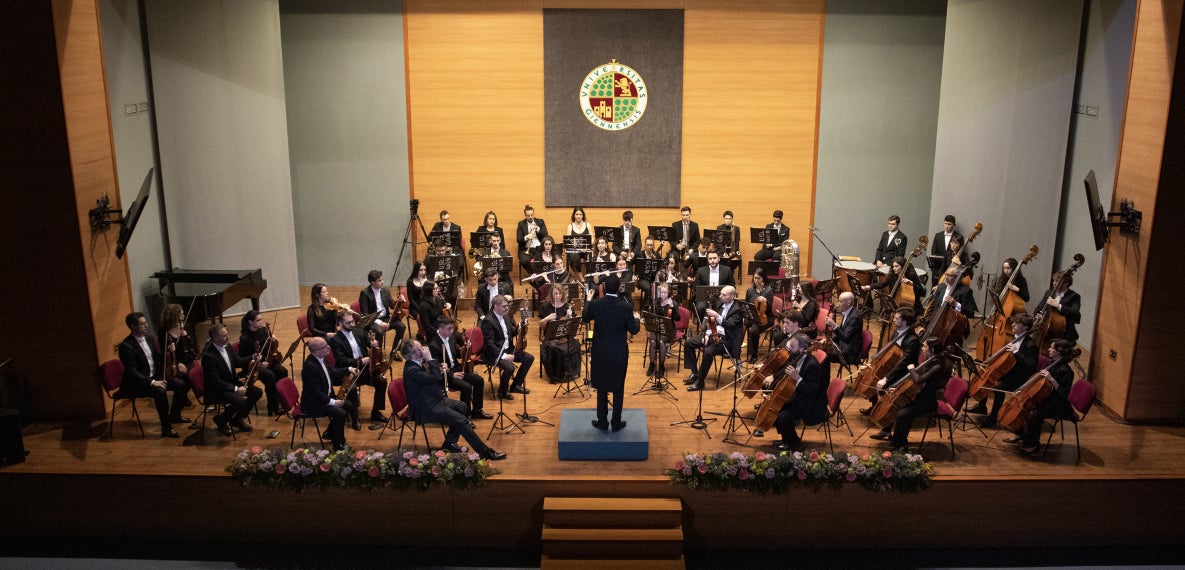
x=848, y=328
x=955, y=254
x=446, y=225
x=893, y=243
x=901, y=270
x=423, y=378
x=219, y=368
x=624, y=273
x=773, y=251
x=911, y=348
x=601, y=254
x=561, y=356
x=664, y=306
x=529, y=234
x=1020, y=285
x=713, y=274
x=940, y=245
x=488, y=290
x=317, y=397
x=1067, y=301
x=496, y=250
x=579, y=226
x=631, y=238
x=499, y=332
x=808, y=307
x=645, y=281
x=415, y=287
x=730, y=253
x=351, y=350
x=759, y=291
x=433, y=306
x=932, y=376
x=378, y=299
x=491, y=227
x=142, y=363
x=254, y=335
x=442, y=277
x=446, y=347
x=613, y=319
x=172, y=333
x=809, y=403
x=1057, y=405
x=1026, y=352
x=730, y=328
x=952, y=290
x=322, y=319
x=686, y=234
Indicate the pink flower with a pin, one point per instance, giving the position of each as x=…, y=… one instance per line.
x=851, y=476
x=743, y=475
x=801, y=475
x=887, y=454
x=373, y=471
x=436, y=470
x=325, y=468
x=864, y=457
x=888, y=473
x=281, y=469
x=256, y=450
x=678, y=466
x=702, y=469
x=760, y=456
x=814, y=456
x=359, y=454
x=440, y=453
x=413, y=462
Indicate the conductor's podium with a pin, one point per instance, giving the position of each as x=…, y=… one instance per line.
x=580, y=441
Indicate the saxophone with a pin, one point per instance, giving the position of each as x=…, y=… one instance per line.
x=790, y=266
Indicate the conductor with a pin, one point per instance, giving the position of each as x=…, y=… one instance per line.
x=609, y=357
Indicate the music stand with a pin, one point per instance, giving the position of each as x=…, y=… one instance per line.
x=718, y=237
x=450, y=238
x=555, y=330
x=771, y=268
x=646, y=268
x=764, y=236
x=612, y=234
x=703, y=293
x=661, y=233
x=700, y=422
x=480, y=240
x=448, y=286
x=679, y=290
x=664, y=329
x=502, y=264
x=447, y=264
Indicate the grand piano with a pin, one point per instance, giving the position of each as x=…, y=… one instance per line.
x=206, y=294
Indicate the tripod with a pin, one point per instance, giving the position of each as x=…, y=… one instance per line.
x=408, y=237
x=699, y=422
x=502, y=420
x=528, y=418
x=733, y=417
x=662, y=331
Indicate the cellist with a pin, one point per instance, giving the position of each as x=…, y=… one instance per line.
x=1067, y=301
x=1024, y=348
x=932, y=376
x=1057, y=405
x=911, y=347
x=809, y=403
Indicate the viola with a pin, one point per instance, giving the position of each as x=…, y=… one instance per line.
x=760, y=308
x=170, y=357
x=399, y=304
x=378, y=364
x=773, y=362
x=274, y=358
x=783, y=392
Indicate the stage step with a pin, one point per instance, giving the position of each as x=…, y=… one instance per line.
x=612, y=532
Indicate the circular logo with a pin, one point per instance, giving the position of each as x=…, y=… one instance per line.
x=613, y=96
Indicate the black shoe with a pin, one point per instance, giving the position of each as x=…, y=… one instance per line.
x=618, y=426
x=519, y=389
x=1015, y=439
x=480, y=415
x=758, y=433
x=1028, y=451
x=866, y=411
x=494, y=455
x=179, y=420
x=398, y=357
x=882, y=435
x=240, y=425
x=222, y=426
x=691, y=379
x=506, y=396
x=752, y=360
x=696, y=387
x=650, y=369
x=378, y=417
x=172, y=433
x=980, y=408
x=339, y=446
x=781, y=446
x=356, y=425
x=603, y=426
x=452, y=448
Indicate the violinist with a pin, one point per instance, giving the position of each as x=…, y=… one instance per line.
x=808, y=309
x=1057, y=405
x=499, y=331
x=893, y=243
x=351, y=350
x=378, y=299
x=491, y=288
x=911, y=348
x=529, y=235
x=809, y=403
x=1024, y=348
x=909, y=276
x=1067, y=301
x=664, y=306
x=219, y=365
x=724, y=340
x=631, y=238
x=1020, y=285
x=253, y=338
x=932, y=376
x=172, y=336
x=848, y=328
x=773, y=251
x=953, y=292
x=446, y=225
x=142, y=363
x=714, y=275
x=322, y=315
x=415, y=287
x=433, y=306
x=579, y=226
x=561, y=356
x=446, y=347
x=761, y=292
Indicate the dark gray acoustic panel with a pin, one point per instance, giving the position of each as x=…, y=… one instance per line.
x=638, y=166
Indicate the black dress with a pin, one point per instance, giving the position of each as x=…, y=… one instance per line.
x=561, y=357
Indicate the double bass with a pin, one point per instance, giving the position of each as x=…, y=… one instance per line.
x=945, y=323
x=996, y=331
x=1049, y=323
x=1015, y=411
x=903, y=296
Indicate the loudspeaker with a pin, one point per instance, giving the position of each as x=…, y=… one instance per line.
x=12, y=447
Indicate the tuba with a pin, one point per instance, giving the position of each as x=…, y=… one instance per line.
x=790, y=266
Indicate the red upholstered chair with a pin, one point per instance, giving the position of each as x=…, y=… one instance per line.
x=954, y=396
x=681, y=334
x=821, y=320
x=197, y=379
x=356, y=307
x=110, y=377
x=835, y=417
x=820, y=355
x=290, y=402
x=779, y=305
x=1081, y=398
x=302, y=325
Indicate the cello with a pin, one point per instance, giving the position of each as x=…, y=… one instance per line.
x=899, y=395
x=879, y=365
x=1015, y=411
x=767, y=413
x=773, y=362
x=997, y=331
x=1049, y=323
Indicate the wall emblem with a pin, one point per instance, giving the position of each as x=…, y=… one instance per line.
x=613, y=96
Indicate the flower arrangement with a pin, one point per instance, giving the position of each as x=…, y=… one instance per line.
x=302, y=468
x=766, y=472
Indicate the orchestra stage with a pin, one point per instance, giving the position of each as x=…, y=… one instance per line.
x=1127, y=490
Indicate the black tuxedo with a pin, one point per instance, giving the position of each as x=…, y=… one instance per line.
x=222, y=384
x=692, y=237
x=736, y=237
x=491, y=351
x=137, y=376
x=428, y=403
x=525, y=253
x=316, y=398
x=773, y=251
x=911, y=350
x=849, y=336
x=368, y=305
x=482, y=300
x=962, y=295
x=343, y=356
x=635, y=241
x=609, y=356
x=887, y=249
x=1027, y=358
x=734, y=333
x=933, y=377
x=472, y=386
x=810, y=399
x=703, y=277
x=1071, y=310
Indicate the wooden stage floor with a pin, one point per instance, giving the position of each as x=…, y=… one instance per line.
x=1110, y=450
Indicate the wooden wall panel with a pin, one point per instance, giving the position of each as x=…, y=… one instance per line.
x=1125, y=288
x=751, y=85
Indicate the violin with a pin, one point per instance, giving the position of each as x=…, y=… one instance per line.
x=520, y=344
x=1015, y=411
x=256, y=358
x=170, y=357
x=378, y=364
x=760, y=306
x=333, y=305
x=274, y=358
